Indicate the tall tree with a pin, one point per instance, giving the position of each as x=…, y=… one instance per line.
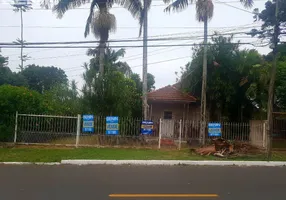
x=150, y=82
x=274, y=18
x=235, y=80
x=9, y=77
x=119, y=96
x=204, y=12
x=43, y=78
x=103, y=22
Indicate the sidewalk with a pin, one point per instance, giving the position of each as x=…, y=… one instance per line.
x=158, y=162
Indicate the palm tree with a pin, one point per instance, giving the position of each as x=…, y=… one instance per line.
x=111, y=58
x=204, y=13
x=101, y=22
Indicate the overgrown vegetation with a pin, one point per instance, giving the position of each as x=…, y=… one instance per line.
x=46, y=90
x=237, y=82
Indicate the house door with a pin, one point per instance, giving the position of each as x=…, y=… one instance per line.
x=168, y=125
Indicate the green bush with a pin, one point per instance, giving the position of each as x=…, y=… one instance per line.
x=21, y=99
x=7, y=125
x=6, y=133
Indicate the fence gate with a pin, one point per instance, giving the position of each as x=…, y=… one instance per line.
x=48, y=129
x=170, y=133
x=168, y=126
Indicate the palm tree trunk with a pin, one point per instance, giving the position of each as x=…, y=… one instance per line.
x=204, y=84
x=145, y=61
x=101, y=58
x=22, y=42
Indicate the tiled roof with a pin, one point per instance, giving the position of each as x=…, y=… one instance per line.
x=170, y=93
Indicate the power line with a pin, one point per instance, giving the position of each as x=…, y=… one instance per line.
x=129, y=58
x=153, y=63
x=52, y=57
x=233, y=28
x=118, y=46
x=118, y=7
x=72, y=69
x=162, y=61
x=29, y=52
x=126, y=27
x=241, y=27
x=116, y=41
x=226, y=3
x=134, y=57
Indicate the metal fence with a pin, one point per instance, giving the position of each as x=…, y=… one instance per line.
x=230, y=130
x=279, y=130
x=67, y=130
x=188, y=132
x=30, y=128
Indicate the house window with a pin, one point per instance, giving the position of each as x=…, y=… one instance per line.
x=167, y=114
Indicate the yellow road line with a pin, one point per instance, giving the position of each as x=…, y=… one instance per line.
x=162, y=195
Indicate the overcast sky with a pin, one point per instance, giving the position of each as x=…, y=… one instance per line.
x=43, y=26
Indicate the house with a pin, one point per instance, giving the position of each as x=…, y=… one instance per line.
x=171, y=105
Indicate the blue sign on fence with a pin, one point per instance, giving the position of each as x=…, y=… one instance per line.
x=88, y=123
x=147, y=127
x=214, y=129
x=112, y=126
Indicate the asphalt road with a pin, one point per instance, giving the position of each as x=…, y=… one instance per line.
x=31, y=182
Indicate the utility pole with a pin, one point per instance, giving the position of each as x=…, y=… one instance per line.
x=22, y=6
x=22, y=40
x=272, y=84
x=145, y=61
x=204, y=85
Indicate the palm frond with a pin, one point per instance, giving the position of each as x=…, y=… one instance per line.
x=177, y=5
x=136, y=9
x=118, y=54
x=149, y=2
x=64, y=5
x=141, y=22
x=247, y=3
x=133, y=6
x=85, y=66
x=204, y=9
x=92, y=52
x=89, y=19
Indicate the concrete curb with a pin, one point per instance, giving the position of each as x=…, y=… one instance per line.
x=174, y=162
x=29, y=163
x=156, y=162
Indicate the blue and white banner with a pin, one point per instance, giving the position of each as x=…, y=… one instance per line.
x=112, y=125
x=214, y=129
x=88, y=123
x=147, y=127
